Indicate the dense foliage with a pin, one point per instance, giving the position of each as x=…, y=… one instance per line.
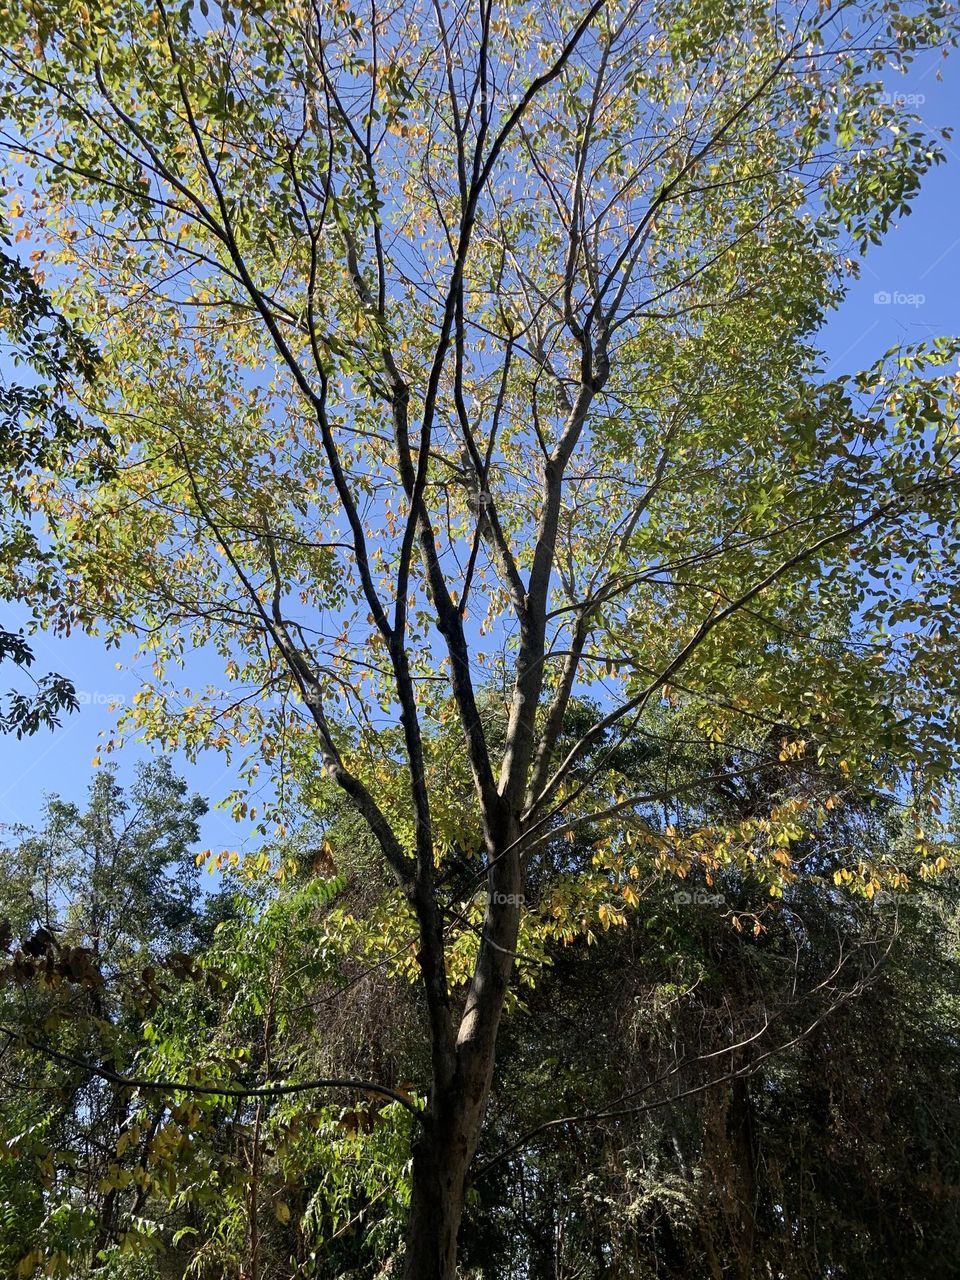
x=824, y=1143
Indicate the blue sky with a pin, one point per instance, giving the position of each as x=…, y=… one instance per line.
x=909, y=290
x=918, y=265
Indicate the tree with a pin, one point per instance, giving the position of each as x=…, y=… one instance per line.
x=644, y=1148
x=649, y=1149
x=427, y=326
x=113, y=959
x=92, y=903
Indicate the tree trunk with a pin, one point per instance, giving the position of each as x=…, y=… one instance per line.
x=436, y=1207
x=454, y=1119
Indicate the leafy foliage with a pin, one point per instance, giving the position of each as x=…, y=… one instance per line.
x=37, y=430
x=54, y=694
x=88, y=901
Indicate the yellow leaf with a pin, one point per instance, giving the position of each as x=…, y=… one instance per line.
x=282, y=1211
x=29, y=1263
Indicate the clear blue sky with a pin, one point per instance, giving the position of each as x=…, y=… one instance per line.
x=909, y=290
x=918, y=264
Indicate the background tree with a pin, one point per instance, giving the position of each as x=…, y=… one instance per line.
x=744, y=1102
x=474, y=350
x=91, y=903
x=741, y=1105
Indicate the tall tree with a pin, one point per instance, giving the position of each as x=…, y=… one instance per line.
x=465, y=349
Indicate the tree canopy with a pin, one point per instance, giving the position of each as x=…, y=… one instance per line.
x=461, y=373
